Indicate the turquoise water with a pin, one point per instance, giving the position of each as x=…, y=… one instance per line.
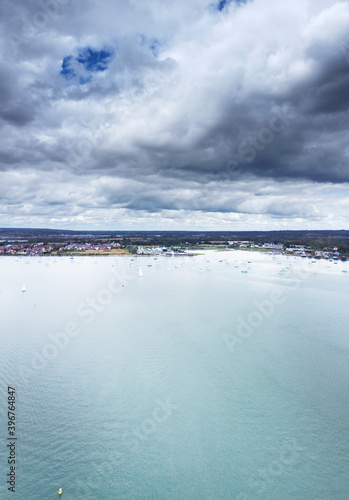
x=195, y=381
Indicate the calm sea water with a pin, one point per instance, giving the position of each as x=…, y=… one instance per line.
x=195, y=381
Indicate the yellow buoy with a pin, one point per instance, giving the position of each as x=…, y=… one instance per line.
x=60, y=491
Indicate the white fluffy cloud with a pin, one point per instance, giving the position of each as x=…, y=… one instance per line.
x=198, y=118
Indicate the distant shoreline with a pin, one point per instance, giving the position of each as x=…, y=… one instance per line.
x=101, y=254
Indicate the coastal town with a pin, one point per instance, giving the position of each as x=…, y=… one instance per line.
x=40, y=249
x=124, y=245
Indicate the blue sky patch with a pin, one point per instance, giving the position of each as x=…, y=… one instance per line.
x=66, y=70
x=153, y=44
x=94, y=60
x=223, y=3
x=82, y=66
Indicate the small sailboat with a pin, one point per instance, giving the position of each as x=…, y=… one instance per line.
x=23, y=288
x=60, y=491
x=140, y=274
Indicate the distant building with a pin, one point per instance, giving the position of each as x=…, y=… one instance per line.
x=273, y=246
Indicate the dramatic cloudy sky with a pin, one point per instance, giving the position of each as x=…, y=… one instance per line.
x=152, y=114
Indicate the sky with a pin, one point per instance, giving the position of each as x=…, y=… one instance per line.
x=193, y=115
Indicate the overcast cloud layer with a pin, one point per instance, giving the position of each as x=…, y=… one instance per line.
x=174, y=115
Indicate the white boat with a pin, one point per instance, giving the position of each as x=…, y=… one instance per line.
x=23, y=288
x=140, y=274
